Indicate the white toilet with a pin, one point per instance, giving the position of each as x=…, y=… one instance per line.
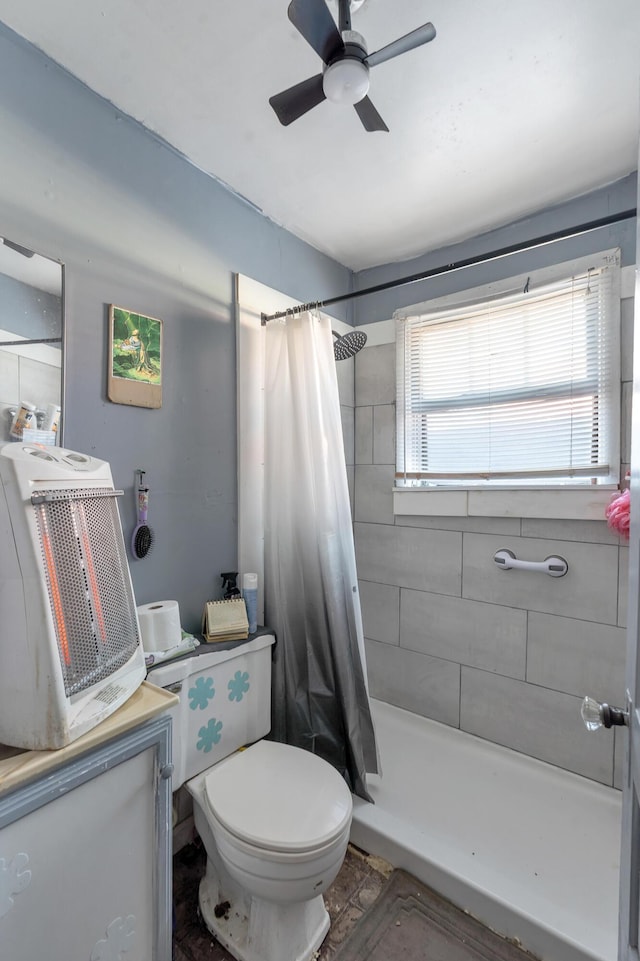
x=274, y=819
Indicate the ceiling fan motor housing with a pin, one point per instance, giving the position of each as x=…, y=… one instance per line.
x=352, y=38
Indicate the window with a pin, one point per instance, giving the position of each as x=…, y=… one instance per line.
x=519, y=387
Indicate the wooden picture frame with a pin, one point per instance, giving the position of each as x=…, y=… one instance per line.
x=135, y=358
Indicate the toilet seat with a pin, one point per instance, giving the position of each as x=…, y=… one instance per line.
x=279, y=799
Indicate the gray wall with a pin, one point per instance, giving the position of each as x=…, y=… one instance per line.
x=139, y=227
x=615, y=198
x=451, y=638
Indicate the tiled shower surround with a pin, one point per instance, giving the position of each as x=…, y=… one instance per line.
x=505, y=656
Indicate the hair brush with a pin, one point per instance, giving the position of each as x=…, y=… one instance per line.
x=142, y=537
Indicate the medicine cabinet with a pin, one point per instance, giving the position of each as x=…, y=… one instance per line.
x=31, y=335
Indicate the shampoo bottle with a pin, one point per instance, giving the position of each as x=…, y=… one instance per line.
x=250, y=594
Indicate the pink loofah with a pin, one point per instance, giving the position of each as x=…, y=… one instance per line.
x=617, y=513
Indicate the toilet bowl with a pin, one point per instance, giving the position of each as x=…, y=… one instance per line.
x=275, y=823
x=274, y=819
x=280, y=819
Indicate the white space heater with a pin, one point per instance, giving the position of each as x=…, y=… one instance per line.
x=70, y=650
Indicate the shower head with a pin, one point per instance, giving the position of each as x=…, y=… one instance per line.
x=349, y=344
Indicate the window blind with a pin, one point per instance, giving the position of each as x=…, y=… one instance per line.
x=521, y=389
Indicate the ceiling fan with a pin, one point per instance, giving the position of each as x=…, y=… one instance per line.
x=345, y=75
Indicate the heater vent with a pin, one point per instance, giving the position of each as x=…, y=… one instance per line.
x=87, y=577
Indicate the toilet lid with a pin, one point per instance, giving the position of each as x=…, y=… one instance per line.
x=279, y=798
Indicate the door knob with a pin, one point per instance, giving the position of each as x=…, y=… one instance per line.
x=596, y=715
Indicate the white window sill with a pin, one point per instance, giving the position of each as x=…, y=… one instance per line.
x=586, y=504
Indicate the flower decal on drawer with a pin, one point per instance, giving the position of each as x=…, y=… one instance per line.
x=209, y=735
x=14, y=878
x=201, y=693
x=238, y=686
x=119, y=940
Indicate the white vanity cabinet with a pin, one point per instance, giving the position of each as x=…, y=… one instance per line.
x=85, y=850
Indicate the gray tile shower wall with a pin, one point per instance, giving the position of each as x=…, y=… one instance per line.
x=451, y=637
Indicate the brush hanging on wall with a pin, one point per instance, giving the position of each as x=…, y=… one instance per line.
x=142, y=537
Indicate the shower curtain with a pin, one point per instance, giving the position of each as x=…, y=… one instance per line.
x=320, y=697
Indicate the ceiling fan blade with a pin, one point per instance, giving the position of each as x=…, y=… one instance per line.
x=296, y=101
x=371, y=119
x=314, y=21
x=416, y=38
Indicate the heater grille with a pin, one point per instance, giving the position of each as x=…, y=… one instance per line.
x=87, y=577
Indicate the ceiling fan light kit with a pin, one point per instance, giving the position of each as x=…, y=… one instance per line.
x=346, y=81
x=345, y=75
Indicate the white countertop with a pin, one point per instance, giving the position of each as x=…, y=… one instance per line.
x=18, y=766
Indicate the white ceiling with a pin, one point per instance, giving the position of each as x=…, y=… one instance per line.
x=516, y=105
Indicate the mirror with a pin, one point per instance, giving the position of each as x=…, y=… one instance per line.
x=31, y=324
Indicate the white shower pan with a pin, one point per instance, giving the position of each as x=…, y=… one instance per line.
x=528, y=848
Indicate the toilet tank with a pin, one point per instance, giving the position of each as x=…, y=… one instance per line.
x=225, y=702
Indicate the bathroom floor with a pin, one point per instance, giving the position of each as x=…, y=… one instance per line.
x=377, y=914
x=358, y=885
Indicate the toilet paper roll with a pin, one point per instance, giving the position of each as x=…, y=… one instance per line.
x=160, y=625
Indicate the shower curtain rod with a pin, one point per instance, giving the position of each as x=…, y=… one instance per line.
x=459, y=264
